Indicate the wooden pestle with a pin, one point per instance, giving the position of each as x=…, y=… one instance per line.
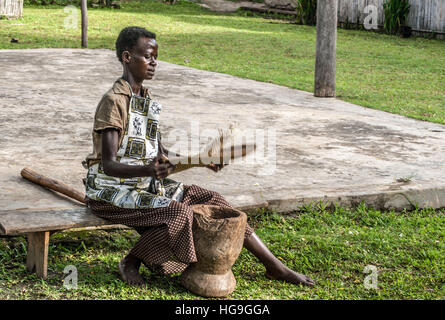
x=52, y=184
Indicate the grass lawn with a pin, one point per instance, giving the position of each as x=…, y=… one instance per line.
x=404, y=76
x=331, y=246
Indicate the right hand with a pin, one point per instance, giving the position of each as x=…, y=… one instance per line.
x=160, y=167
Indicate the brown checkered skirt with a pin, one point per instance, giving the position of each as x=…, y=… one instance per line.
x=166, y=242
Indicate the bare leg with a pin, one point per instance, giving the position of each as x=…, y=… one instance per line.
x=129, y=270
x=275, y=269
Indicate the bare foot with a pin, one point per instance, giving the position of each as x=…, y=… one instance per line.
x=289, y=275
x=129, y=270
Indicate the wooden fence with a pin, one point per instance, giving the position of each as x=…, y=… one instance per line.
x=425, y=16
x=11, y=8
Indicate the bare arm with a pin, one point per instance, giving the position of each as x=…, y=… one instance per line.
x=110, y=140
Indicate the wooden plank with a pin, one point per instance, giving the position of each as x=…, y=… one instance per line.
x=435, y=10
x=421, y=16
x=429, y=21
x=355, y=12
x=381, y=13
x=11, y=8
x=349, y=10
x=425, y=7
x=361, y=10
x=341, y=11
x=14, y=222
x=440, y=16
x=424, y=15
x=431, y=15
x=411, y=20
x=415, y=7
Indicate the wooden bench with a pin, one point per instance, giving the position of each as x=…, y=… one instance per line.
x=38, y=225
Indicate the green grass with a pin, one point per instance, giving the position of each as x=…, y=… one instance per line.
x=332, y=246
x=403, y=76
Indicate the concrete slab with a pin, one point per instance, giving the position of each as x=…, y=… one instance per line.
x=326, y=149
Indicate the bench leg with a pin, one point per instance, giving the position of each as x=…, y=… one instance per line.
x=37, y=259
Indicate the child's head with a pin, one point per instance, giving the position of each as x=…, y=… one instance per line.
x=137, y=50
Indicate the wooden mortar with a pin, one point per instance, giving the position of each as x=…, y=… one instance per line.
x=218, y=235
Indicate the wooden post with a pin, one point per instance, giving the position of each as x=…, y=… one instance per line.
x=37, y=259
x=11, y=9
x=325, y=61
x=83, y=8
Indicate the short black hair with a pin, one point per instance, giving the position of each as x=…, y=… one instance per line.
x=128, y=39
